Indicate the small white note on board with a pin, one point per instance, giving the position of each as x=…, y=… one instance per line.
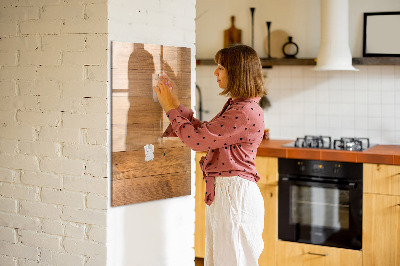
x=149, y=152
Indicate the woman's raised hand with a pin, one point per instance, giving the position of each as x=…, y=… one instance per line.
x=164, y=95
x=172, y=85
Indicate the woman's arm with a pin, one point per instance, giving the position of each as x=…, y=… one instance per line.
x=223, y=131
x=186, y=113
x=166, y=82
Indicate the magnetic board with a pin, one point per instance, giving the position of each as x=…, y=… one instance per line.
x=146, y=167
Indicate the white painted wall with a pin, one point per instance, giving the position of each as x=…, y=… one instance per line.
x=338, y=104
x=299, y=18
x=53, y=108
x=158, y=232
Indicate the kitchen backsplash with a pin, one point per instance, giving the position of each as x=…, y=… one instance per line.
x=365, y=103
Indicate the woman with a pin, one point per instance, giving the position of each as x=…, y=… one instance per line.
x=235, y=207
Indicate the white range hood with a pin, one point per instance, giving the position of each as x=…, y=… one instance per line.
x=334, y=51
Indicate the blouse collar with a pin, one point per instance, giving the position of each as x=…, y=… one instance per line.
x=254, y=99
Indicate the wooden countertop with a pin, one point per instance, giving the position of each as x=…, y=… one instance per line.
x=379, y=154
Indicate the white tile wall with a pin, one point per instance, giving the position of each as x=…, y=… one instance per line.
x=365, y=103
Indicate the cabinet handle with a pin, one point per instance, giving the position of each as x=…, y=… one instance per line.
x=318, y=254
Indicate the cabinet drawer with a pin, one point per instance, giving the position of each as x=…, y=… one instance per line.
x=290, y=253
x=381, y=179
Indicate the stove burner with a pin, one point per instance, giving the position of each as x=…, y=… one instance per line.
x=308, y=141
x=324, y=142
x=351, y=144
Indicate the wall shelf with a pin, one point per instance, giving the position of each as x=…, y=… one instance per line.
x=376, y=61
x=312, y=61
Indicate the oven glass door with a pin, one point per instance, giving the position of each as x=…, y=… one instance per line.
x=321, y=213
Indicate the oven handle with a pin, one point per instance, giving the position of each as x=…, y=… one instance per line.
x=298, y=181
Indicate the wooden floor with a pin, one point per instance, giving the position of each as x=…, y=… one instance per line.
x=199, y=262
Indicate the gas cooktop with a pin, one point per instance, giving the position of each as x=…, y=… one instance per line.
x=325, y=142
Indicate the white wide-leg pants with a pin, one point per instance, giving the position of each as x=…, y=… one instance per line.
x=234, y=223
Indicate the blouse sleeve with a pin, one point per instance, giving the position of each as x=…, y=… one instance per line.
x=186, y=113
x=225, y=130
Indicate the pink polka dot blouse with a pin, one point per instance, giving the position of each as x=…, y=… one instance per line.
x=231, y=139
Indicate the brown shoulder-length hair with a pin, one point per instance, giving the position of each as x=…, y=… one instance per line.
x=245, y=78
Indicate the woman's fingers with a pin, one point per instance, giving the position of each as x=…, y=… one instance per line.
x=162, y=85
x=172, y=89
x=156, y=88
x=166, y=81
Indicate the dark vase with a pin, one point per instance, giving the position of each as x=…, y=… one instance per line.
x=290, y=49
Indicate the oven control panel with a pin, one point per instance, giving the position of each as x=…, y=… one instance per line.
x=331, y=169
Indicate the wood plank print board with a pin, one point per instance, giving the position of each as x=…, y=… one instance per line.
x=138, y=121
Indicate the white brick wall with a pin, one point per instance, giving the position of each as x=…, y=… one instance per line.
x=75, y=230
x=61, y=258
x=53, y=120
x=8, y=234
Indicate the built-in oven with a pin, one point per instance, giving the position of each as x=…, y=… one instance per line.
x=320, y=202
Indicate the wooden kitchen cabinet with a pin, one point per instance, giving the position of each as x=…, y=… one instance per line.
x=267, y=168
x=298, y=254
x=270, y=233
x=381, y=230
x=381, y=215
x=200, y=207
x=381, y=179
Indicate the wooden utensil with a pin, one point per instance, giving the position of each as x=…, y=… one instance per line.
x=232, y=35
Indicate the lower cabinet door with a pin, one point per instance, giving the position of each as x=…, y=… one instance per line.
x=270, y=233
x=381, y=230
x=200, y=207
x=294, y=254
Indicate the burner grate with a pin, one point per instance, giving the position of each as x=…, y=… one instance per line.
x=324, y=142
x=351, y=144
x=321, y=142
